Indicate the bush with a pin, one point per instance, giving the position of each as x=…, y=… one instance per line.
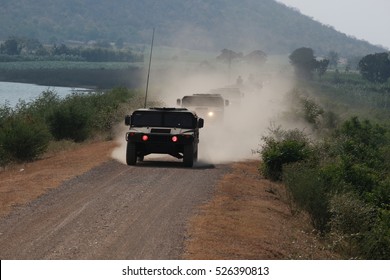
x=281, y=148
x=308, y=192
x=380, y=195
x=25, y=130
x=4, y=156
x=71, y=119
x=362, y=140
x=350, y=222
x=108, y=109
x=376, y=244
x=24, y=139
x=311, y=111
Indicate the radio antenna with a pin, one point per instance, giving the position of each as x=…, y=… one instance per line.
x=150, y=62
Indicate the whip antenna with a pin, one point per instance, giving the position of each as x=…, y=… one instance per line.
x=150, y=62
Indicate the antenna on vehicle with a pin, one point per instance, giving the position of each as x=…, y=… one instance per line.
x=150, y=62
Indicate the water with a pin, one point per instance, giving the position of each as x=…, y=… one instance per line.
x=11, y=93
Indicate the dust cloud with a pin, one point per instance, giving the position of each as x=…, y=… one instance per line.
x=240, y=132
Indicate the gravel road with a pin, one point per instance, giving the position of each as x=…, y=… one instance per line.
x=111, y=212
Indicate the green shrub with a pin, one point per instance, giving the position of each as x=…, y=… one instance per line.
x=71, y=119
x=280, y=148
x=311, y=111
x=24, y=139
x=380, y=195
x=4, y=156
x=361, y=177
x=308, y=192
x=362, y=140
x=376, y=244
x=350, y=214
x=351, y=221
x=108, y=108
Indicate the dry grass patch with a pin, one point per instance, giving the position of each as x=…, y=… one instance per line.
x=250, y=218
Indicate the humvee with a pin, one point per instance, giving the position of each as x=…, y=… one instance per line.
x=208, y=106
x=172, y=131
x=233, y=94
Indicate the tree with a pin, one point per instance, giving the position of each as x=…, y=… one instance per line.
x=333, y=59
x=61, y=50
x=304, y=62
x=227, y=56
x=11, y=47
x=322, y=66
x=375, y=67
x=256, y=58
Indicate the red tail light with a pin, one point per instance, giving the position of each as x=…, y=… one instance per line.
x=174, y=138
x=145, y=137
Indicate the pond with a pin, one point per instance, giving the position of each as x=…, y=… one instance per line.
x=11, y=93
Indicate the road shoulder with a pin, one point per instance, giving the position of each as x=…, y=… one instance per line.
x=251, y=218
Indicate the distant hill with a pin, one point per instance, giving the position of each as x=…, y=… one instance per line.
x=242, y=26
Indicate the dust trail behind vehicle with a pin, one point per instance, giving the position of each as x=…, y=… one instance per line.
x=263, y=102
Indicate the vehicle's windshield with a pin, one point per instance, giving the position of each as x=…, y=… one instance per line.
x=206, y=101
x=163, y=119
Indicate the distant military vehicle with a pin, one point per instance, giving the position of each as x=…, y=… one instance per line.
x=233, y=94
x=173, y=131
x=208, y=106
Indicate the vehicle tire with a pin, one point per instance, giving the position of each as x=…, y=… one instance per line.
x=141, y=158
x=188, y=155
x=131, y=154
x=196, y=154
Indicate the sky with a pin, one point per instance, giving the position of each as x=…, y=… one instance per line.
x=368, y=20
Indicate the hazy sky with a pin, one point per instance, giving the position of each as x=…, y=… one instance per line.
x=368, y=20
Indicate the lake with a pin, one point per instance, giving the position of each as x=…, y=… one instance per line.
x=10, y=93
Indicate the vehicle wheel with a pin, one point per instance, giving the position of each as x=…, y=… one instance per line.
x=131, y=154
x=196, y=154
x=188, y=155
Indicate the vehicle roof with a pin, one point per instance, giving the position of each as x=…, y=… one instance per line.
x=204, y=95
x=166, y=109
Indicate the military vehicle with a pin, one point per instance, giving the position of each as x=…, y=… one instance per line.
x=172, y=131
x=208, y=106
x=233, y=94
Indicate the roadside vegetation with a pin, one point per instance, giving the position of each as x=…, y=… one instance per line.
x=338, y=168
x=28, y=128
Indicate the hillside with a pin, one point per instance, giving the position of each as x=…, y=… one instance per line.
x=240, y=25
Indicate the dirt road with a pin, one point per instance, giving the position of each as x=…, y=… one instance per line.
x=111, y=212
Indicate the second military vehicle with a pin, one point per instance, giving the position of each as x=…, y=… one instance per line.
x=208, y=106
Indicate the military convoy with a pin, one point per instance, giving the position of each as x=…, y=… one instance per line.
x=172, y=131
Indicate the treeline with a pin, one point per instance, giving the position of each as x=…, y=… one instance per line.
x=373, y=67
x=338, y=168
x=27, y=129
x=22, y=49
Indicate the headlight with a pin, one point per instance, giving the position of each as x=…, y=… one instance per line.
x=210, y=114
